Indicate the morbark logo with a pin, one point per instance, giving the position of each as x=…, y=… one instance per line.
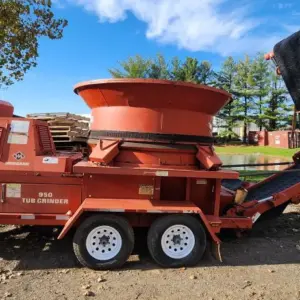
x=19, y=156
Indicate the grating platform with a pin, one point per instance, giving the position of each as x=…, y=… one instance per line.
x=278, y=184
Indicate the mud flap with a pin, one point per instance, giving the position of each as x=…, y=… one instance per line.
x=216, y=251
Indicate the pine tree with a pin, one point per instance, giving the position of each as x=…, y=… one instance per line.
x=258, y=95
x=159, y=68
x=279, y=106
x=225, y=81
x=176, y=72
x=134, y=67
x=205, y=73
x=190, y=69
x=261, y=85
x=243, y=88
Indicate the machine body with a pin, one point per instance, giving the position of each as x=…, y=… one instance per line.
x=152, y=164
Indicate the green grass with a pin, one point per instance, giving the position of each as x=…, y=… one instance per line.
x=243, y=149
x=255, y=175
x=256, y=149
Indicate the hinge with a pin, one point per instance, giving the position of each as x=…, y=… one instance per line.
x=3, y=193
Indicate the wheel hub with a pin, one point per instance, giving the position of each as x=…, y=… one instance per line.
x=178, y=241
x=104, y=242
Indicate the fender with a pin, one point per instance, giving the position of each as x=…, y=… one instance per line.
x=142, y=206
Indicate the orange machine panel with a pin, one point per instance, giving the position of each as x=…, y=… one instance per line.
x=155, y=158
x=158, y=120
x=202, y=194
x=105, y=151
x=39, y=198
x=173, y=188
x=156, y=110
x=119, y=187
x=208, y=158
x=6, y=109
x=150, y=93
x=27, y=145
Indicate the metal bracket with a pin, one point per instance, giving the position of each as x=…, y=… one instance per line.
x=3, y=190
x=216, y=251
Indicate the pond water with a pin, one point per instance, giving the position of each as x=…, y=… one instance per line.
x=255, y=158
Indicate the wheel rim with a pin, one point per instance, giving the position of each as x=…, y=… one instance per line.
x=104, y=242
x=178, y=241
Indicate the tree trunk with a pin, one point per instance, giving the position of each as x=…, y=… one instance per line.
x=273, y=125
x=260, y=112
x=274, y=104
x=245, y=120
x=229, y=123
x=245, y=133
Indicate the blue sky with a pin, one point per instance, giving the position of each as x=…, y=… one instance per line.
x=102, y=32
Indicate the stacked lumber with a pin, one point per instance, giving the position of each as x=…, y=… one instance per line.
x=69, y=131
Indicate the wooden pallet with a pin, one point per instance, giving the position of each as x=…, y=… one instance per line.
x=67, y=130
x=51, y=116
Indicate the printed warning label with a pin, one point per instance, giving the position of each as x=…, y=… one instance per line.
x=201, y=181
x=50, y=160
x=145, y=189
x=13, y=190
x=162, y=173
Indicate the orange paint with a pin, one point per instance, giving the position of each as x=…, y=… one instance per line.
x=6, y=109
x=151, y=153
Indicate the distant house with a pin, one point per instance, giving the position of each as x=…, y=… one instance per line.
x=220, y=125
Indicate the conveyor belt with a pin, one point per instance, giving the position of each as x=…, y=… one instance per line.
x=276, y=185
x=232, y=184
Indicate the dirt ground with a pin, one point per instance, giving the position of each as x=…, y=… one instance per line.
x=262, y=265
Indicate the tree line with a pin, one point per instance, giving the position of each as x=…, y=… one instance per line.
x=258, y=94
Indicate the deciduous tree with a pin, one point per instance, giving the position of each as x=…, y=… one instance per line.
x=22, y=23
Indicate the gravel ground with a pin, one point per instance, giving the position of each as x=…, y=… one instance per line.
x=262, y=265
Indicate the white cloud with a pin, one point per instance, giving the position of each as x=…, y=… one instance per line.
x=195, y=25
x=284, y=5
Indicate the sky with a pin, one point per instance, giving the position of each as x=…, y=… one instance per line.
x=102, y=33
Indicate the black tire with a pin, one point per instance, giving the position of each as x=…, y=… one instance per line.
x=157, y=230
x=118, y=223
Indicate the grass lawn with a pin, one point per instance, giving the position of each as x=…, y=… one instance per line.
x=245, y=175
x=243, y=149
x=256, y=149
